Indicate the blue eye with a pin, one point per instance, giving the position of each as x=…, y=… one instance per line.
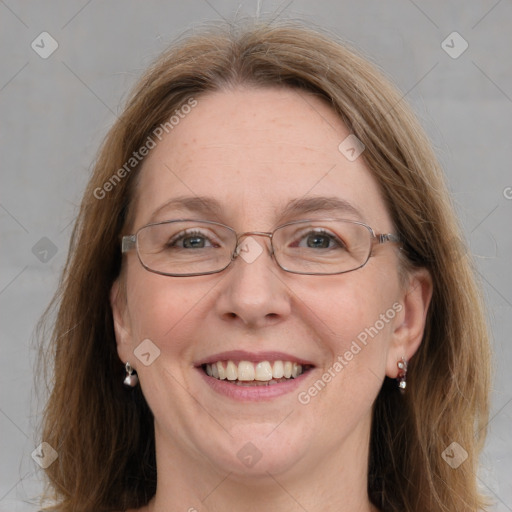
x=194, y=242
x=320, y=240
x=190, y=240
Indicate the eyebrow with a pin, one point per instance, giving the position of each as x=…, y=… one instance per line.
x=198, y=204
x=210, y=207
x=320, y=204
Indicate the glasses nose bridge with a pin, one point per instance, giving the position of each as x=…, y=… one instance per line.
x=256, y=233
x=241, y=236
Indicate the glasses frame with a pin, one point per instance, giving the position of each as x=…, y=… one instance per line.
x=129, y=242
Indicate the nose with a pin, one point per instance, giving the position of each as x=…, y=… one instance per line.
x=252, y=292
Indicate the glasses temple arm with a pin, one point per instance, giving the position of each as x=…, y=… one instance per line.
x=128, y=243
x=388, y=237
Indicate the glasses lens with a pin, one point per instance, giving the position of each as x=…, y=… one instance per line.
x=322, y=247
x=185, y=247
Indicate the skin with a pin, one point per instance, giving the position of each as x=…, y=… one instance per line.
x=253, y=150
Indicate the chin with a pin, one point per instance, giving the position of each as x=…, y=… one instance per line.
x=257, y=450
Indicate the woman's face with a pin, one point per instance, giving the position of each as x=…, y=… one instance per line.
x=255, y=153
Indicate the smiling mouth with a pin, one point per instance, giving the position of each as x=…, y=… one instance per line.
x=247, y=373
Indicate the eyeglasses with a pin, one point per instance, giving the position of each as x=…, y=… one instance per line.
x=184, y=248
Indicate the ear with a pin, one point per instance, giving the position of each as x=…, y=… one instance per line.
x=122, y=325
x=410, y=324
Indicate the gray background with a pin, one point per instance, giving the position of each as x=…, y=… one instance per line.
x=55, y=111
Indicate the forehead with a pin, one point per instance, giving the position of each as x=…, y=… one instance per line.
x=254, y=151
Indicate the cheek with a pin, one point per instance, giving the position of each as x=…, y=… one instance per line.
x=354, y=315
x=346, y=314
x=164, y=309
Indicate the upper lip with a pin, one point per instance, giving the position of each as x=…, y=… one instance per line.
x=255, y=357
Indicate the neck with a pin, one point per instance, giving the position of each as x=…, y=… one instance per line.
x=336, y=481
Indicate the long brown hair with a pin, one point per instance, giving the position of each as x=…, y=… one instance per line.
x=104, y=434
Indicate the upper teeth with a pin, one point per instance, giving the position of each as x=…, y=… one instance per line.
x=247, y=371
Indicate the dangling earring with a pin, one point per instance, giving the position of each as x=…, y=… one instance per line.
x=402, y=374
x=130, y=380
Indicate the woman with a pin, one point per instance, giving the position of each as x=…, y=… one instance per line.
x=264, y=305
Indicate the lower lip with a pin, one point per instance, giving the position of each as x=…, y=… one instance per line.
x=253, y=393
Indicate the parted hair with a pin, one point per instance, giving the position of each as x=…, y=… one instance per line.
x=104, y=433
